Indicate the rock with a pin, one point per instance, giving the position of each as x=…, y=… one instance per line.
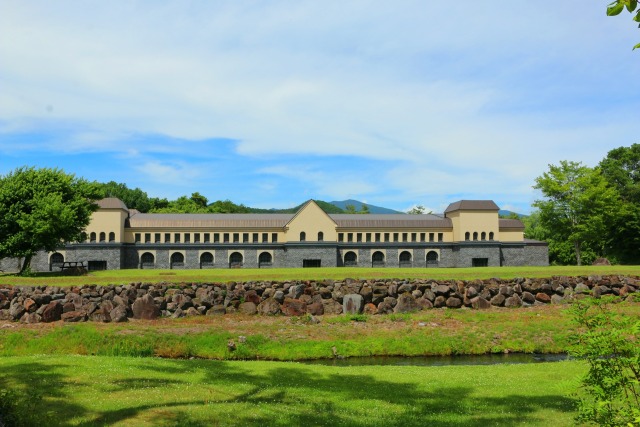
x=453, y=302
x=601, y=261
x=528, y=297
x=557, y=299
x=145, y=308
x=30, y=305
x=16, y=310
x=406, y=304
x=119, y=314
x=498, y=300
x=247, y=308
x=52, y=312
x=480, y=303
x=316, y=308
x=217, y=309
x=269, y=307
x=542, y=297
x=30, y=318
x=331, y=306
x=471, y=292
x=252, y=296
x=513, y=301
x=440, y=301
x=352, y=304
x=278, y=296
x=192, y=311
x=74, y=316
x=582, y=288
x=370, y=309
x=294, y=307
x=505, y=290
x=101, y=315
x=441, y=290
x=424, y=303
x=428, y=294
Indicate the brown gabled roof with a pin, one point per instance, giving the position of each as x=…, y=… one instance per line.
x=515, y=224
x=141, y=220
x=472, y=205
x=111, y=203
x=390, y=221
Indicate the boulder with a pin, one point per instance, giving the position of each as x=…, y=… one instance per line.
x=331, y=306
x=316, y=308
x=247, y=307
x=52, y=312
x=145, y=308
x=543, y=298
x=370, y=309
x=352, y=304
x=513, y=301
x=101, y=314
x=453, y=302
x=480, y=303
x=528, y=297
x=217, y=309
x=294, y=307
x=406, y=304
x=498, y=300
x=74, y=316
x=118, y=314
x=269, y=307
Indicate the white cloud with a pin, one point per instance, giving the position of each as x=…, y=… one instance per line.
x=461, y=98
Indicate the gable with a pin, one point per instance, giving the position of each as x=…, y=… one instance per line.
x=311, y=220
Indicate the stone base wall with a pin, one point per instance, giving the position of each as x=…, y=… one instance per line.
x=292, y=255
x=118, y=303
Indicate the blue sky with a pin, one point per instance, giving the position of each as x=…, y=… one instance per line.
x=272, y=103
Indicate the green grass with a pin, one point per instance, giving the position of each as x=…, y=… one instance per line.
x=282, y=274
x=434, y=332
x=117, y=391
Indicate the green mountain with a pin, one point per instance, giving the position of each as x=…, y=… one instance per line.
x=358, y=205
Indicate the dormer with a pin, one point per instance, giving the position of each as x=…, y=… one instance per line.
x=474, y=220
x=107, y=223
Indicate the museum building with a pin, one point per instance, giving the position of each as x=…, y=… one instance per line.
x=468, y=234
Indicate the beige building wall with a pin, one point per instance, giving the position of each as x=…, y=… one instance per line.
x=107, y=221
x=511, y=235
x=311, y=220
x=474, y=222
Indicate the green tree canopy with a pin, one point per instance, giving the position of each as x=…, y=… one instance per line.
x=621, y=167
x=43, y=209
x=133, y=198
x=617, y=6
x=577, y=206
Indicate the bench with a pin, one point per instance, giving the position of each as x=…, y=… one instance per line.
x=73, y=265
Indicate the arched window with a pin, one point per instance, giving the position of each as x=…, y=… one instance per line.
x=377, y=259
x=405, y=259
x=177, y=260
x=491, y=235
x=467, y=236
x=147, y=260
x=320, y=236
x=206, y=259
x=303, y=236
x=265, y=259
x=475, y=235
x=350, y=259
x=55, y=261
x=235, y=260
x=103, y=236
x=483, y=236
x=112, y=237
x=432, y=259
x=92, y=237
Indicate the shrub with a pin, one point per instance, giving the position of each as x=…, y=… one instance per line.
x=610, y=344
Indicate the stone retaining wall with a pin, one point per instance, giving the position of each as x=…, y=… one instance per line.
x=117, y=303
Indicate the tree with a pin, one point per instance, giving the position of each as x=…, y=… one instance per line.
x=617, y=6
x=132, y=198
x=621, y=167
x=199, y=199
x=41, y=209
x=416, y=210
x=578, y=205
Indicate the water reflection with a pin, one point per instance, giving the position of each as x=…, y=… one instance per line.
x=481, y=359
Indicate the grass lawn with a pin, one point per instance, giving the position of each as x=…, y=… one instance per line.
x=283, y=274
x=121, y=391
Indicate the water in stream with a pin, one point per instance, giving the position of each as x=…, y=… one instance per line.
x=481, y=359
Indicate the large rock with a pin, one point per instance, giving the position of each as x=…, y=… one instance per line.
x=543, y=298
x=498, y=300
x=316, y=308
x=52, y=312
x=513, y=301
x=331, y=306
x=294, y=307
x=74, y=316
x=217, y=309
x=406, y=304
x=453, y=302
x=145, y=308
x=119, y=314
x=480, y=303
x=247, y=307
x=269, y=307
x=352, y=304
x=16, y=310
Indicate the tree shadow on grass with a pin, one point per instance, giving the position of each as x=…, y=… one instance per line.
x=288, y=394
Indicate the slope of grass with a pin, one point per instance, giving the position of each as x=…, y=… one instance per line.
x=116, y=391
x=282, y=274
